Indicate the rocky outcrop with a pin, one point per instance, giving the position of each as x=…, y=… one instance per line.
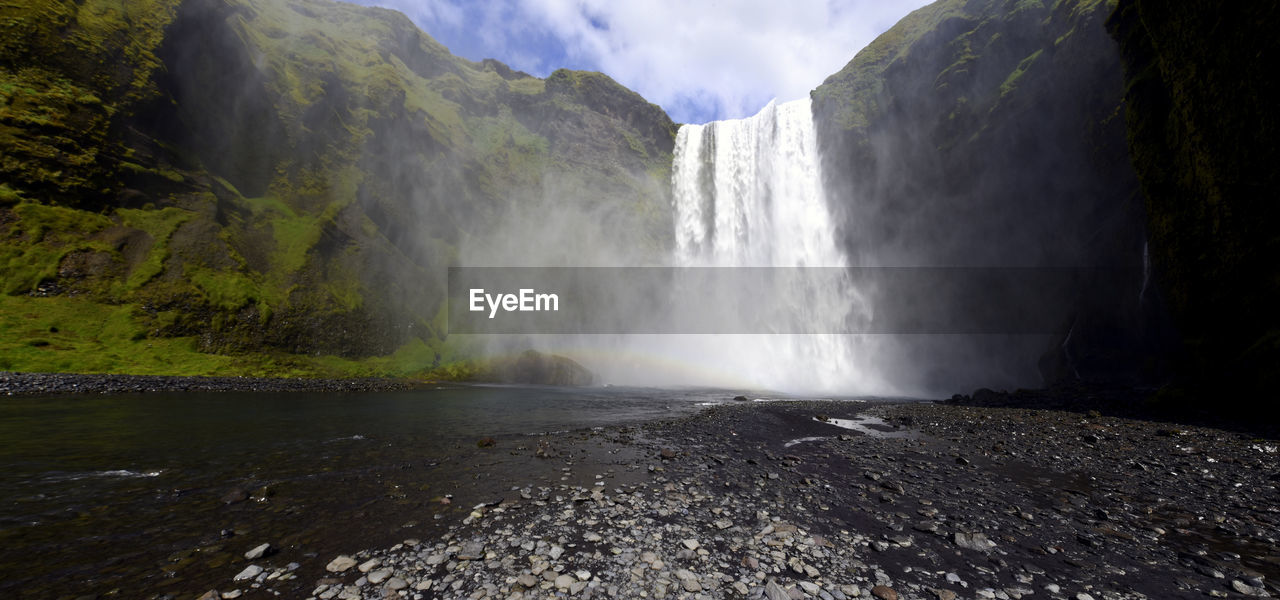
x=988, y=134
x=1202, y=127
x=533, y=367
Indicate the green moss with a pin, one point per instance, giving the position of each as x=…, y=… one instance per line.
x=1011, y=82
x=227, y=290
x=9, y=195
x=40, y=238
x=160, y=224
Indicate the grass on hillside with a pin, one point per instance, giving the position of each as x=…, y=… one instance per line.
x=75, y=335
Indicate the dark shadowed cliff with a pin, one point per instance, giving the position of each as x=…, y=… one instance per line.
x=1202, y=133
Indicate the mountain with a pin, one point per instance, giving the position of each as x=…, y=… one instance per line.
x=275, y=187
x=990, y=133
x=185, y=182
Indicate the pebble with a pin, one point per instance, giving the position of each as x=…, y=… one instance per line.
x=257, y=552
x=713, y=525
x=340, y=564
x=249, y=572
x=884, y=592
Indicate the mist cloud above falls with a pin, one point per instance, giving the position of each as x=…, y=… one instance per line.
x=700, y=61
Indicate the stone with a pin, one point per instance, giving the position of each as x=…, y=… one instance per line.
x=884, y=592
x=690, y=544
x=249, y=572
x=974, y=541
x=210, y=595
x=1244, y=588
x=471, y=551
x=257, y=552
x=379, y=576
x=563, y=582
x=369, y=565
x=340, y=564
x=527, y=580
x=235, y=495
x=944, y=594
x=395, y=584
x=773, y=591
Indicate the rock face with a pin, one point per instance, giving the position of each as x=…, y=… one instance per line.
x=1201, y=123
x=988, y=134
x=533, y=367
x=253, y=175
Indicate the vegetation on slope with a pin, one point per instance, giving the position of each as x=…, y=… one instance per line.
x=279, y=181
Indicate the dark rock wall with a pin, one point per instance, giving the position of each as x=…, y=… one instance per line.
x=1203, y=123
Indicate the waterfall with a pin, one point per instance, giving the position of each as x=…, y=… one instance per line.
x=749, y=193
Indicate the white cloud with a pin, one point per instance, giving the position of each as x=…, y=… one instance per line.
x=696, y=59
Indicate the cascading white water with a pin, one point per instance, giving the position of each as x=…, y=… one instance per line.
x=749, y=193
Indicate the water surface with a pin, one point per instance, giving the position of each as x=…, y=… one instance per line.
x=126, y=492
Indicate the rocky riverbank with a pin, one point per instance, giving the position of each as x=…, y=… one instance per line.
x=832, y=500
x=13, y=384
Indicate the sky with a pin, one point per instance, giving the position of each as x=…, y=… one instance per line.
x=700, y=60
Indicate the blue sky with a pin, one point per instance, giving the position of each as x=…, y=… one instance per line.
x=699, y=60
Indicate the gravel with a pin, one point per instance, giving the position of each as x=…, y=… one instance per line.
x=919, y=501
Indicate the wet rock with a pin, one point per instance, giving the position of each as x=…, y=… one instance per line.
x=257, y=552
x=235, y=495
x=340, y=564
x=249, y=572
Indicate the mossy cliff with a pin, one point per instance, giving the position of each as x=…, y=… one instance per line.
x=1203, y=126
x=991, y=133
x=284, y=178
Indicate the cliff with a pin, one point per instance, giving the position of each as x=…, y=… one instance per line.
x=279, y=177
x=989, y=133
x=1202, y=127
